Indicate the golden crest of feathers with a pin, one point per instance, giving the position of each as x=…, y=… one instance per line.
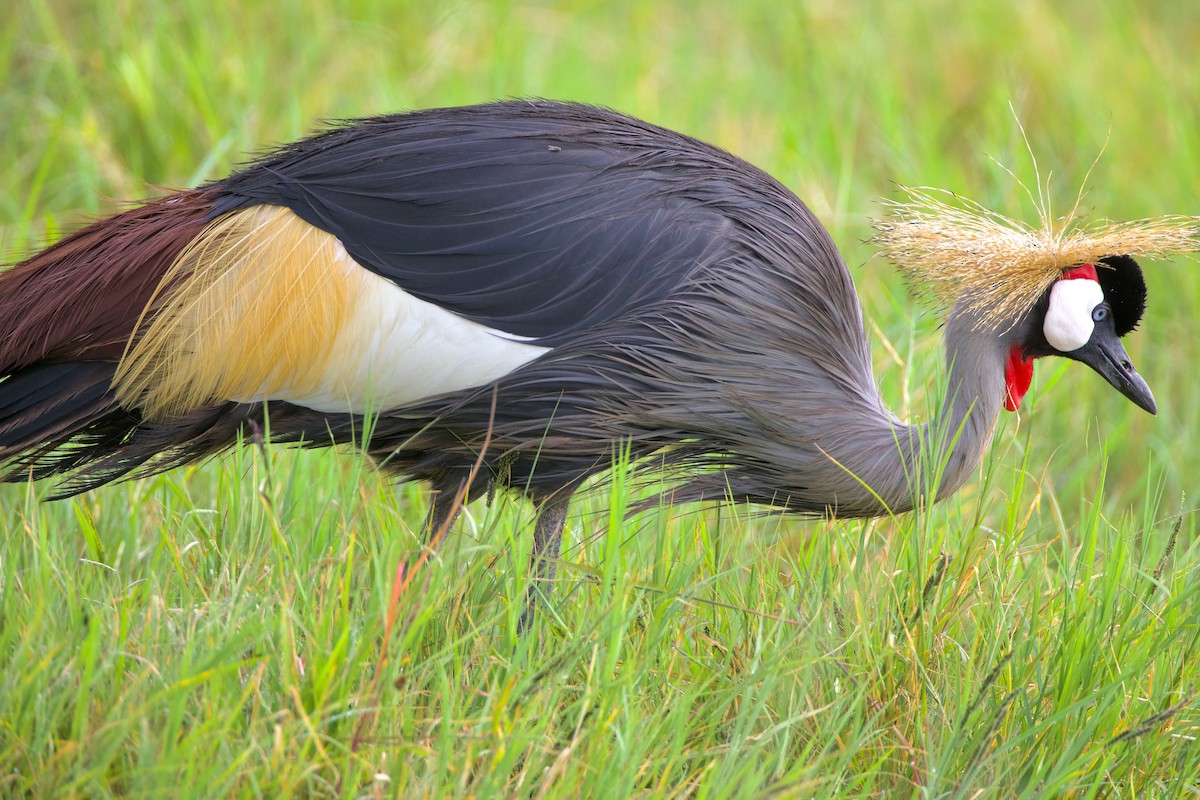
x=951, y=248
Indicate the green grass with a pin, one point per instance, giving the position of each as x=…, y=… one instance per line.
x=241, y=628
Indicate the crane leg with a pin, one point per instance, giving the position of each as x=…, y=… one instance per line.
x=543, y=560
x=443, y=510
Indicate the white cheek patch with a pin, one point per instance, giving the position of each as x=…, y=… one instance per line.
x=1068, y=325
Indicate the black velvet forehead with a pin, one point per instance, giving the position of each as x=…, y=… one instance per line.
x=1124, y=289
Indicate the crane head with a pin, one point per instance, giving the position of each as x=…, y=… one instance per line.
x=1057, y=288
x=1082, y=316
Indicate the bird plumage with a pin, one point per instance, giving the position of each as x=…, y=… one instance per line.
x=953, y=250
x=630, y=288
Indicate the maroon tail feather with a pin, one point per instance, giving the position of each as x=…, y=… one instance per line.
x=79, y=299
x=66, y=314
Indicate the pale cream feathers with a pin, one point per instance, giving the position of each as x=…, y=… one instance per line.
x=951, y=248
x=251, y=304
x=264, y=306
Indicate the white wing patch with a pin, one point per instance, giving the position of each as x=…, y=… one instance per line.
x=263, y=306
x=1068, y=325
x=394, y=349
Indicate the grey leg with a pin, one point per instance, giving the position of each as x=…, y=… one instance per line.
x=543, y=561
x=442, y=511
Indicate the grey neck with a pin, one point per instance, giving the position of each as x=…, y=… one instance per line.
x=941, y=454
x=975, y=363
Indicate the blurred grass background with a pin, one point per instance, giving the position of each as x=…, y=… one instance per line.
x=221, y=631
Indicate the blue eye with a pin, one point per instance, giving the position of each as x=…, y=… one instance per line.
x=1100, y=313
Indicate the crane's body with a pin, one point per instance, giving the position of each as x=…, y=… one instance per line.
x=541, y=283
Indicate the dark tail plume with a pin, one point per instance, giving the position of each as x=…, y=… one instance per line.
x=66, y=315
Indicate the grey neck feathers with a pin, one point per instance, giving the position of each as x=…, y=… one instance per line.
x=937, y=457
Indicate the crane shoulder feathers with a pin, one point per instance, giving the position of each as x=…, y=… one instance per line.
x=538, y=220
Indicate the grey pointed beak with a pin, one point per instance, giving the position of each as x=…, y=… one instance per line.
x=1105, y=354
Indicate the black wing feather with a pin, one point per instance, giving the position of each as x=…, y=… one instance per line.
x=536, y=219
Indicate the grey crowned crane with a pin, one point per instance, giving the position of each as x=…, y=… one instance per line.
x=536, y=285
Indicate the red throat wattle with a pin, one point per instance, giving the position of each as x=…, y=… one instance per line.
x=1018, y=374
